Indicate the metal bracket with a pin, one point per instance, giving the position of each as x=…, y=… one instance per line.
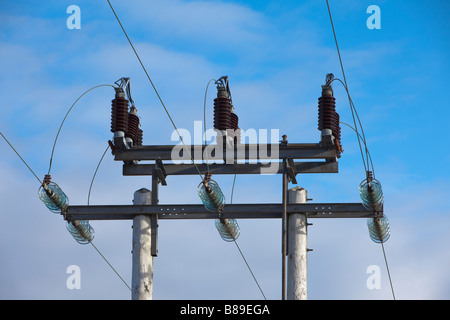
x=154, y=234
x=291, y=170
x=161, y=172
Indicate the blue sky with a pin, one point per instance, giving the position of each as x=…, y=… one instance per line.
x=276, y=55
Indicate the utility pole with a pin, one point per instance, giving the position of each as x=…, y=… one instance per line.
x=297, y=248
x=142, y=271
x=293, y=211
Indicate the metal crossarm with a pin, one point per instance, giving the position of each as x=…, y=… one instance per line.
x=242, y=152
x=235, y=211
x=239, y=168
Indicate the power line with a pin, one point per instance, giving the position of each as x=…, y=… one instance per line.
x=88, y=200
x=204, y=116
x=154, y=88
x=40, y=182
x=70, y=109
x=170, y=118
x=370, y=157
x=353, y=110
x=387, y=268
x=250, y=269
x=345, y=80
x=237, y=246
x=95, y=173
x=110, y=265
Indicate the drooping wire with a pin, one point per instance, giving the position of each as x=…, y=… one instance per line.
x=354, y=121
x=88, y=200
x=110, y=265
x=154, y=88
x=362, y=137
x=239, y=249
x=364, y=141
x=160, y=99
x=204, y=118
x=95, y=173
x=70, y=109
x=345, y=80
x=387, y=268
x=40, y=182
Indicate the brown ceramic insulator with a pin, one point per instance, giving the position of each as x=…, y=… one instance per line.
x=237, y=137
x=337, y=129
x=337, y=135
x=139, y=137
x=133, y=126
x=328, y=118
x=234, y=120
x=119, y=115
x=222, y=113
x=235, y=127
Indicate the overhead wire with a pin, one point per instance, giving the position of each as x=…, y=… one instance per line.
x=345, y=79
x=88, y=203
x=362, y=136
x=232, y=193
x=240, y=251
x=355, y=128
x=40, y=182
x=95, y=173
x=387, y=268
x=110, y=265
x=368, y=153
x=62, y=123
x=168, y=114
x=51, y=162
x=154, y=88
x=204, y=117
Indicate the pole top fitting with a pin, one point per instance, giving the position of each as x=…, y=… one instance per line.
x=284, y=142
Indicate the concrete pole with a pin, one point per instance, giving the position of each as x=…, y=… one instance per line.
x=284, y=231
x=142, y=269
x=297, y=248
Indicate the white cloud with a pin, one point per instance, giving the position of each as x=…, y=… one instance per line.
x=219, y=22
